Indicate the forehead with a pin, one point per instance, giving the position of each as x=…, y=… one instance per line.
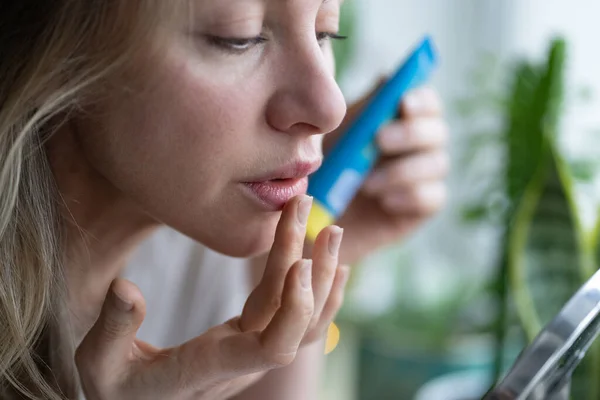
x=219, y=11
x=242, y=3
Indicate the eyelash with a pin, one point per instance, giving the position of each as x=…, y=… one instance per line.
x=241, y=45
x=323, y=36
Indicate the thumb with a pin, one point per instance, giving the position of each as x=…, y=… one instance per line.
x=109, y=344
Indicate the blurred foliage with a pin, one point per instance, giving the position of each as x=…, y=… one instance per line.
x=435, y=327
x=414, y=318
x=545, y=252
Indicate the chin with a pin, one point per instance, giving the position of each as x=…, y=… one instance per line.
x=254, y=240
x=248, y=250
x=246, y=247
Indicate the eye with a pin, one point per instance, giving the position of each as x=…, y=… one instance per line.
x=322, y=37
x=235, y=45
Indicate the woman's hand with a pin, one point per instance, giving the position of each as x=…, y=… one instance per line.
x=292, y=306
x=407, y=186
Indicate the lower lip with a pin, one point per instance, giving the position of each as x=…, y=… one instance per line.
x=274, y=194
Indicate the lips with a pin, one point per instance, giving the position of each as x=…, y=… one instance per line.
x=275, y=188
x=294, y=170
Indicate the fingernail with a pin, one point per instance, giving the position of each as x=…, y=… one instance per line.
x=304, y=210
x=120, y=303
x=306, y=274
x=376, y=182
x=413, y=102
x=335, y=240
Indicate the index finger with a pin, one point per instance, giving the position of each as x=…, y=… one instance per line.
x=418, y=134
x=287, y=249
x=422, y=101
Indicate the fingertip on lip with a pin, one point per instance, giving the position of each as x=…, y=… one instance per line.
x=273, y=196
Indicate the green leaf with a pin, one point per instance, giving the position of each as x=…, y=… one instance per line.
x=597, y=241
x=524, y=134
x=535, y=109
x=544, y=254
x=546, y=258
x=549, y=256
x=475, y=213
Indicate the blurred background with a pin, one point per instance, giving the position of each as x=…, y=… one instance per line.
x=443, y=314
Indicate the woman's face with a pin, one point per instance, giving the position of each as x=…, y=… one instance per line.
x=215, y=131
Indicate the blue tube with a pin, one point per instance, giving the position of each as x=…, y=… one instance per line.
x=351, y=160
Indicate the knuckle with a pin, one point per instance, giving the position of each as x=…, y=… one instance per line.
x=235, y=324
x=302, y=309
x=279, y=360
x=273, y=303
x=306, y=310
x=114, y=329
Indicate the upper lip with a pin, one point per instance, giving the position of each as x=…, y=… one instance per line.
x=295, y=170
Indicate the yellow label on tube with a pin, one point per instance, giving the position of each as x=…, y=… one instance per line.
x=318, y=219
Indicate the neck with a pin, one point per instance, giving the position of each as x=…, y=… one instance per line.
x=103, y=228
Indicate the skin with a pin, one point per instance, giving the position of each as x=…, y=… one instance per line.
x=193, y=122
x=414, y=164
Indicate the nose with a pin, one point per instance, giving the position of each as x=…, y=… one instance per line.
x=307, y=99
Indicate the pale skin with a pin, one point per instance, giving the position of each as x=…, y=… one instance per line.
x=196, y=121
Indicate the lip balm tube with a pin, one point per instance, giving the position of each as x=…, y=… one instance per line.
x=351, y=160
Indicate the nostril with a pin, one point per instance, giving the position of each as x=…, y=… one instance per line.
x=305, y=129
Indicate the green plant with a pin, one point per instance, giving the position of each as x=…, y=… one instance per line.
x=546, y=251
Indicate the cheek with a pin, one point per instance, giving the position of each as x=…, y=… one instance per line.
x=175, y=148
x=177, y=132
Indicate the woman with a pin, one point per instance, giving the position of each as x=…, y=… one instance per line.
x=118, y=117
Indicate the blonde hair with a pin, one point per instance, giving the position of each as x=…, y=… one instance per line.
x=55, y=54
